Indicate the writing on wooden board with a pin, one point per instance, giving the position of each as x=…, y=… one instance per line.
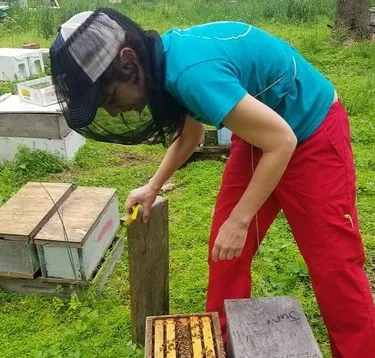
x=262, y=326
x=272, y=327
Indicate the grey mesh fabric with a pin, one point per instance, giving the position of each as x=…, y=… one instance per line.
x=96, y=47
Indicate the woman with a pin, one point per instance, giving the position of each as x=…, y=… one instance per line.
x=290, y=147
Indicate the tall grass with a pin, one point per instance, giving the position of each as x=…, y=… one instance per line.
x=165, y=13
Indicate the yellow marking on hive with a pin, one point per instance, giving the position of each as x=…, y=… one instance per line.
x=207, y=338
x=196, y=337
x=25, y=92
x=171, y=339
x=159, y=339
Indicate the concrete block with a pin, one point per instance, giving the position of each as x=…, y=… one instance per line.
x=20, y=119
x=20, y=62
x=66, y=148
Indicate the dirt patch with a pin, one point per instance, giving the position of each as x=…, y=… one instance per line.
x=131, y=159
x=65, y=176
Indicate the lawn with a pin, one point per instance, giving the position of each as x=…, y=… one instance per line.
x=91, y=326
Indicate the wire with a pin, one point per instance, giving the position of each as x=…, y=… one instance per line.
x=66, y=238
x=256, y=215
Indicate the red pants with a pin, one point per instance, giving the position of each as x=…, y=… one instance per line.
x=317, y=196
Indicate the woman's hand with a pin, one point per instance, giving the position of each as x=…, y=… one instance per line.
x=230, y=240
x=145, y=196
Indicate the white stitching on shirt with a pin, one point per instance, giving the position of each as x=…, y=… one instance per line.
x=280, y=79
x=215, y=38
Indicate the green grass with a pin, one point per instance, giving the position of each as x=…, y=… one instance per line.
x=90, y=326
x=167, y=13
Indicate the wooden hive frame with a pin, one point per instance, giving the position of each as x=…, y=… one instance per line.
x=184, y=336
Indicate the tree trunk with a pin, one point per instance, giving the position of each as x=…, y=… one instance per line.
x=353, y=16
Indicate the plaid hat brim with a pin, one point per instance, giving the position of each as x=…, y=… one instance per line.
x=82, y=109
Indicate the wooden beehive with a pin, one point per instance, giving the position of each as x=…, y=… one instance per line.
x=20, y=220
x=184, y=336
x=74, y=240
x=269, y=327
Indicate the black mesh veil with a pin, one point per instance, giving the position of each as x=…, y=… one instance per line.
x=78, y=64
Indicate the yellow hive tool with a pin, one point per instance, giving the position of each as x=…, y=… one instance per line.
x=130, y=218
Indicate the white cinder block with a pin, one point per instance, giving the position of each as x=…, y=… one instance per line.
x=21, y=63
x=65, y=148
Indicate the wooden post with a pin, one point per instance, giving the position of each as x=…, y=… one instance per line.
x=269, y=327
x=149, y=268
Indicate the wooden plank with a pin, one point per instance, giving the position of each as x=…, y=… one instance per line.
x=61, y=281
x=159, y=339
x=196, y=337
x=17, y=275
x=105, y=271
x=18, y=258
x=79, y=212
x=149, y=267
x=269, y=327
x=29, y=209
x=28, y=286
x=218, y=338
x=170, y=344
x=208, y=341
x=149, y=339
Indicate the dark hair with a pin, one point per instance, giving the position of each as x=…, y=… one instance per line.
x=167, y=114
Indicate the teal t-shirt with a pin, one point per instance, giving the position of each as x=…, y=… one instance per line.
x=211, y=67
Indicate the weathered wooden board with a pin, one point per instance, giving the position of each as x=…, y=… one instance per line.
x=79, y=213
x=109, y=265
x=18, y=258
x=28, y=286
x=269, y=328
x=149, y=267
x=91, y=219
x=29, y=209
x=184, y=336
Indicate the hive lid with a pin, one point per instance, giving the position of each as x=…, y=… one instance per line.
x=19, y=52
x=29, y=209
x=13, y=104
x=79, y=214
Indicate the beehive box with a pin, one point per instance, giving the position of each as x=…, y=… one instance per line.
x=35, y=127
x=20, y=220
x=20, y=62
x=72, y=243
x=40, y=91
x=269, y=327
x=184, y=336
